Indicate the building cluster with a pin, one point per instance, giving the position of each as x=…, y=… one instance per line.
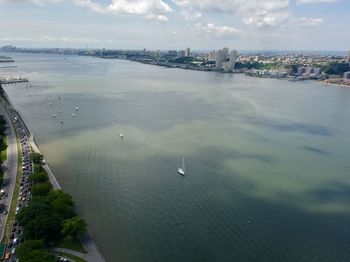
x=281, y=64
x=309, y=71
x=224, y=59
x=181, y=53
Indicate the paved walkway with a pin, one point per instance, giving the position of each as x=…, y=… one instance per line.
x=10, y=167
x=93, y=253
x=70, y=252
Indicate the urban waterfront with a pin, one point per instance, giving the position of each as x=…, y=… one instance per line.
x=267, y=160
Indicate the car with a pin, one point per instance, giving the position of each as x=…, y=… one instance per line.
x=15, y=224
x=12, y=236
x=5, y=212
x=18, y=231
x=13, y=251
x=15, y=241
x=9, y=245
x=13, y=230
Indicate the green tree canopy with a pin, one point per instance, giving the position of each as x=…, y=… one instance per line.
x=41, y=189
x=39, y=177
x=73, y=226
x=36, y=157
x=34, y=251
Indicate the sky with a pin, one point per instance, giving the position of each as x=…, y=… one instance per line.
x=177, y=24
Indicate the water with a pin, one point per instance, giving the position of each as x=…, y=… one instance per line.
x=267, y=160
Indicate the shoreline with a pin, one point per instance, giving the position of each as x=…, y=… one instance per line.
x=88, y=243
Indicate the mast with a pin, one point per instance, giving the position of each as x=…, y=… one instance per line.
x=183, y=164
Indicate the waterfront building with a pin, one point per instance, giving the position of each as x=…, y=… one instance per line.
x=348, y=58
x=172, y=53
x=219, y=58
x=309, y=70
x=187, y=51
x=211, y=56
x=301, y=71
x=347, y=75
x=229, y=65
x=181, y=53
x=317, y=71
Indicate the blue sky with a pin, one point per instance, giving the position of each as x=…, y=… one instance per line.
x=176, y=24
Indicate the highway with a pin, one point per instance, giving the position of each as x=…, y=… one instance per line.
x=10, y=168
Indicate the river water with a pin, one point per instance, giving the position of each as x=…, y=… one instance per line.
x=267, y=161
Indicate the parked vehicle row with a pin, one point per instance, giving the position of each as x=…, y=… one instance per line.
x=24, y=194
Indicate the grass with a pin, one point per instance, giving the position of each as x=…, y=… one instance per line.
x=12, y=210
x=76, y=259
x=3, y=154
x=71, y=243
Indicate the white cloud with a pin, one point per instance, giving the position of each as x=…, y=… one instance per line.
x=300, y=2
x=190, y=15
x=211, y=30
x=262, y=19
x=150, y=9
x=304, y=21
x=233, y=5
x=139, y=7
x=50, y=39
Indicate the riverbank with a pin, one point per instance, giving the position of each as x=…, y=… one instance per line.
x=93, y=253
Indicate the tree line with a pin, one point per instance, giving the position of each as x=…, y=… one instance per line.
x=49, y=216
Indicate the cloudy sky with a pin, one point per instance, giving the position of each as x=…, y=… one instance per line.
x=176, y=24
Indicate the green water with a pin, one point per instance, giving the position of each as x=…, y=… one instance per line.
x=267, y=161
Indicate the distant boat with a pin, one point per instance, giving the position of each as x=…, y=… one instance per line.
x=61, y=121
x=53, y=115
x=73, y=115
x=181, y=170
x=121, y=135
x=77, y=108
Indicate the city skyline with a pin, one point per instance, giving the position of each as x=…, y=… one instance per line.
x=175, y=24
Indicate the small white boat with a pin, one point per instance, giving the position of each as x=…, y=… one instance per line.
x=61, y=121
x=121, y=135
x=73, y=115
x=53, y=115
x=77, y=108
x=181, y=170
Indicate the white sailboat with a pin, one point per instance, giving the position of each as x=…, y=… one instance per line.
x=181, y=170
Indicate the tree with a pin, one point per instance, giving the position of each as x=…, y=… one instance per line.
x=73, y=226
x=27, y=246
x=34, y=251
x=41, y=189
x=40, y=177
x=36, y=157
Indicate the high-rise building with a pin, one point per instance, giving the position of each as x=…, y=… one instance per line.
x=187, y=51
x=225, y=60
x=211, y=56
x=219, y=58
x=232, y=61
x=182, y=53
x=172, y=53
x=225, y=52
x=348, y=58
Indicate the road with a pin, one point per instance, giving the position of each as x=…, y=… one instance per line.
x=10, y=168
